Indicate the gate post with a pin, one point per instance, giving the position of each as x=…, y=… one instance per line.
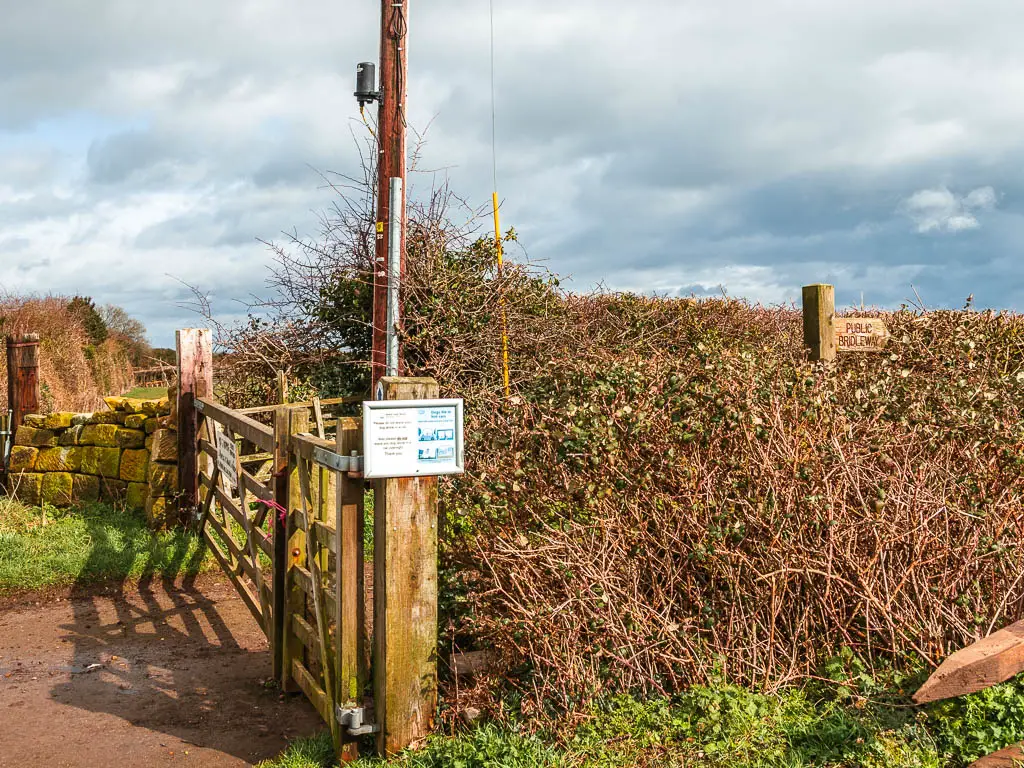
x=22, y=376
x=195, y=379
x=405, y=596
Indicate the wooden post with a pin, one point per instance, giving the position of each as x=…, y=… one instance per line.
x=819, y=321
x=282, y=388
x=349, y=568
x=22, y=376
x=405, y=596
x=289, y=545
x=195, y=379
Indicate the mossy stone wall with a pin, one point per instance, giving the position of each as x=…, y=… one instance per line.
x=127, y=454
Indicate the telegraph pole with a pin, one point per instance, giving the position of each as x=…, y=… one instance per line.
x=389, y=259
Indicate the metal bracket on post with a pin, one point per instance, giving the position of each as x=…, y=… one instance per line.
x=396, y=214
x=351, y=720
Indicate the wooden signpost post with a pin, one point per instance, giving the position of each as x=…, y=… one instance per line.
x=825, y=334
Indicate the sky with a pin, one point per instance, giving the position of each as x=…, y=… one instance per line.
x=669, y=146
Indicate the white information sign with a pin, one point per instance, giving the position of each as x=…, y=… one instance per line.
x=411, y=438
x=227, y=459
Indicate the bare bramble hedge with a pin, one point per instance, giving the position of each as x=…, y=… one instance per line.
x=674, y=492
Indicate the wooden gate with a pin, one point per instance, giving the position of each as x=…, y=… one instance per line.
x=289, y=535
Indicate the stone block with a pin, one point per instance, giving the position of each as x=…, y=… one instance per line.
x=113, y=491
x=80, y=418
x=105, y=462
x=136, y=421
x=70, y=436
x=37, y=437
x=58, y=488
x=59, y=460
x=135, y=465
x=163, y=479
x=165, y=445
x=130, y=438
x=161, y=512
x=85, y=488
x=99, y=434
x=60, y=420
x=137, y=495
x=36, y=420
x=104, y=417
x=152, y=425
x=23, y=459
x=28, y=488
x=115, y=403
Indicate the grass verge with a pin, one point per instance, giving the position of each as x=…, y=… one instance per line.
x=45, y=547
x=147, y=393
x=855, y=721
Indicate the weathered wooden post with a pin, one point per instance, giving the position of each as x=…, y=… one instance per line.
x=350, y=645
x=22, y=376
x=819, y=303
x=195, y=379
x=405, y=595
x=289, y=544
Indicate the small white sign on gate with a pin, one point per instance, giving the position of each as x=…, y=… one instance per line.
x=227, y=459
x=412, y=438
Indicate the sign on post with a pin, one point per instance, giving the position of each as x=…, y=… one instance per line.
x=227, y=458
x=861, y=334
x=412, y=438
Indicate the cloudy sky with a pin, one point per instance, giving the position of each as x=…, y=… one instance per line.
x=652, y=145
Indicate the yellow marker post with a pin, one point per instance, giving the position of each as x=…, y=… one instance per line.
x=501, y=301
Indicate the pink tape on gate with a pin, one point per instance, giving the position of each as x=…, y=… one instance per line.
x=282, y=513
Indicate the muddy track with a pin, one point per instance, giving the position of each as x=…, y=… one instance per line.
x=160, y=672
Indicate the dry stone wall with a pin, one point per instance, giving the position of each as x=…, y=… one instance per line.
x=127, y=454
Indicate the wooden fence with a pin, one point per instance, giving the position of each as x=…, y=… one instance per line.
x=289, y=535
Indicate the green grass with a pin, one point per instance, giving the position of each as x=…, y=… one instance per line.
x=857, y=721
x=147, y=393
x=95, y=543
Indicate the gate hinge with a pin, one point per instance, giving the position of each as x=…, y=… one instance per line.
x=352, y=720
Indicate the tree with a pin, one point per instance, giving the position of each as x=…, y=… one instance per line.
x=127, y=331
x=83, y=309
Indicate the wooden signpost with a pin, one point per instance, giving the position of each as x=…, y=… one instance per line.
x=825, y=334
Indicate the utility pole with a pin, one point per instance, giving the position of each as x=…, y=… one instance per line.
x=389, y=258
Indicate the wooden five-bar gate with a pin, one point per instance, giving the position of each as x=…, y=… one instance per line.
x=287, y=525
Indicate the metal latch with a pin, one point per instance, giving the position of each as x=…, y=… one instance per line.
x=352, y=720
x=331, y=460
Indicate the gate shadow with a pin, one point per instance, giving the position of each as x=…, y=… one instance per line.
x=174, y=655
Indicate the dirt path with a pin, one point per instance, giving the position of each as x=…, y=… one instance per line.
x=181, y=680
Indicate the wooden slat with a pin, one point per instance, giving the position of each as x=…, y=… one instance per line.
x=309, y=507
x=350, y=645
x=235, y=548
x=205, y=446
x=255, y=458
x=302, y=579
x=304, y=444
x=255, y=487
x=258, y=434
x=306, y=634
x=309, y=404
x=326, y=536
x=265, y=543
x=243, y=589
x=988, y=662
x=318, y=414
x=313, y=692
